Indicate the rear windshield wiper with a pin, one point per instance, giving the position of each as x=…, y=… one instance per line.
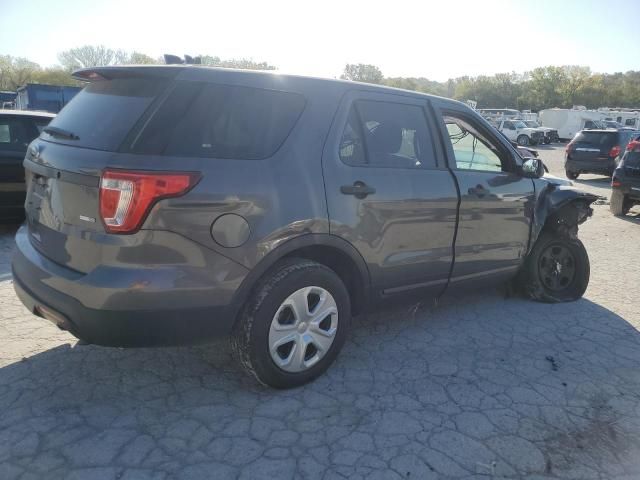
x=60, y=132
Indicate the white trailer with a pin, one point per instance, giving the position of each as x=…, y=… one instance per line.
x=627, y=118
x=568, y=122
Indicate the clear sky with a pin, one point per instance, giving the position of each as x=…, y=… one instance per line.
x=434, y=39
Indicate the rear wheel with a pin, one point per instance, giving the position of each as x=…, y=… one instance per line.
x=294, y=325
x=619, y=204
x=523, y=140
x=556, y=270
x=571, y=175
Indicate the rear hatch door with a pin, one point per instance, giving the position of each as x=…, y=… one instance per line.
x=63, y=166
x=593, y=146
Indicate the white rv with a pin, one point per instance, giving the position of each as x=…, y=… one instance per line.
x=627, y=118
x=568, y=122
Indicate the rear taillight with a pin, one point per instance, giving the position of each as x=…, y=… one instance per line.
x=615, y=151
x=126, y=197
x=615, y=182
x=569, y=148
x=633, y=146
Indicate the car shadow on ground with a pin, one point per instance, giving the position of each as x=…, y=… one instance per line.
x=481, y=381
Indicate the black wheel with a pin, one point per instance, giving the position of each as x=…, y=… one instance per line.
x=571, y=175
x=619, y=204
x=556, y=270
x=294, y=324
x=523, y=140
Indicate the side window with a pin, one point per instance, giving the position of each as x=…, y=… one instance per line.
x=509, y=126
x=13, y=135
x=386, y=134
x=472, y=150
x=630, y=122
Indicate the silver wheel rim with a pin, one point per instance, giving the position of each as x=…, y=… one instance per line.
x=303, y=329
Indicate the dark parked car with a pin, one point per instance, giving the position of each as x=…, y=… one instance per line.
x=595, y=151
x=173, y=204
x=625, y=183
x=17, y=130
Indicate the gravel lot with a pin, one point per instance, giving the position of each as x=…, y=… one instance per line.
x=483, y=386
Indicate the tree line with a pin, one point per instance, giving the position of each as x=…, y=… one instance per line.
x=543, y=87
x=16, y=71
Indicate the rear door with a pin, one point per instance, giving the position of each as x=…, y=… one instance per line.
x=592, y=146
x=496, y=206
x=389, y=192
x=15, y=135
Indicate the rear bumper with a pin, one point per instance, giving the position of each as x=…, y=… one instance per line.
x=601, y=166
x=145, y=319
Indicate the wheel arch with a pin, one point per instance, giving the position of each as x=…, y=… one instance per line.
x=329, y=250
x=560, y=208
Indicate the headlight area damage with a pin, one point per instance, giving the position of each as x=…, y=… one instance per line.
x=560, y=209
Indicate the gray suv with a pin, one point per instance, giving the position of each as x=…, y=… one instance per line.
x=173, y=204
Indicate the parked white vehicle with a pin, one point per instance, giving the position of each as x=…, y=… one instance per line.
x=569, y=122
x=517, y=131
x=494, y=114
x=550, y=134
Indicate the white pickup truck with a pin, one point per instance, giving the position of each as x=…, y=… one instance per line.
x=517, y=131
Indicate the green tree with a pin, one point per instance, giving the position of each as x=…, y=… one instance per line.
x=242, y=63
x=361, y=72
x=92, y=56
x=16, y=71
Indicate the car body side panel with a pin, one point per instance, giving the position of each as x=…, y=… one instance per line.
x=280, y=197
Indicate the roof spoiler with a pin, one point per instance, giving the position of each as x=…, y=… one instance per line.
x=133, y=71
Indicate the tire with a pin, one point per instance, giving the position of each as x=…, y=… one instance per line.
x=523, y=140
x=570, y=283
x=571, y=175
x=619, y=204
x=271, y=311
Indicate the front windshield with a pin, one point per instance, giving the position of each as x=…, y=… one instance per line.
x=532, y=124
x=520, y=125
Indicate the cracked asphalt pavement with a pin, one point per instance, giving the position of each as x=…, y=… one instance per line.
x=481, y=386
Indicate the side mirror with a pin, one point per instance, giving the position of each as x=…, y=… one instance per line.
x=532, y=168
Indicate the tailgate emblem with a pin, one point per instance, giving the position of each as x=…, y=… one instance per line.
x=87, y=219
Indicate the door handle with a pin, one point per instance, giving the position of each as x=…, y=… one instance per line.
x=478, y=191
x=358, y=189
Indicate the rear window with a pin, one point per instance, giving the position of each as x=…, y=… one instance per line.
x=104, y=112
x=220, y=121
x=596, y=138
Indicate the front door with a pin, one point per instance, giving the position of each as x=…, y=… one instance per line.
x=496, y=206
x=389, y=192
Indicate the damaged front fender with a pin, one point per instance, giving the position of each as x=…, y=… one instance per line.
x=560, y=208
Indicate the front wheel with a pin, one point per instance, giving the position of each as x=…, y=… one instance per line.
x=556, y=270
x=294, y=325
x=571, y=175
x=523, y=140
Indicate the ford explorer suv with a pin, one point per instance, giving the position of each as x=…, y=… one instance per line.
x=174, y=204
x=595, y=151
x=17, y=130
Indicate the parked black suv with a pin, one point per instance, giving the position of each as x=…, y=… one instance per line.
x=625, y=183
x=17, y=130
x=595, y=151
x=173, y=204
